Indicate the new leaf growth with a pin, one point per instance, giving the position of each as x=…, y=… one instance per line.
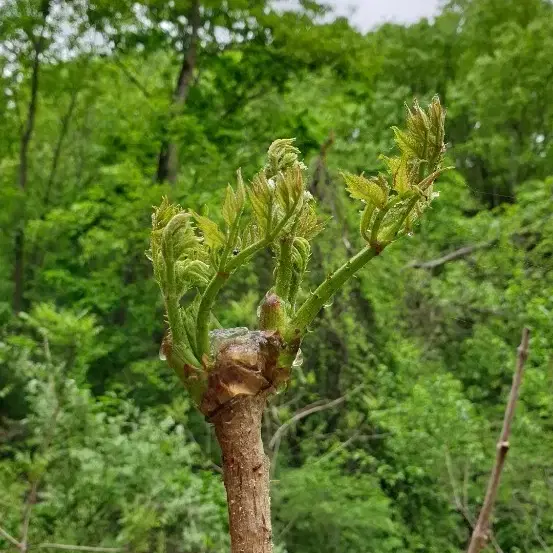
x=194, y=255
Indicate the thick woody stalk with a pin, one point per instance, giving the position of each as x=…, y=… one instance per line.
x=481, y=533
x=246, y=473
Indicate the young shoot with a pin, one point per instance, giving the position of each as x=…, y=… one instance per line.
x=193, y=253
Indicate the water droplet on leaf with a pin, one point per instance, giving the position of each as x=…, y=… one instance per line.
x=298, y=361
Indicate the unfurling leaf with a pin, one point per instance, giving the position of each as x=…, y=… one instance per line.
x=373, y=191
x=185, y=242
x=405, y=173
x=234, y=201
x=308, y=224
x=192, y=272
x=301, y=252
x=213, y=237
x=289, y=188
x=230, y=207
x=282, y=154
x=366, y=220
x=164, y=213
x=261, y=195
x=423, y=136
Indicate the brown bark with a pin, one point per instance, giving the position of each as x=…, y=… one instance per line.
x=245, y=473
x=245, y=372
x=168, y=164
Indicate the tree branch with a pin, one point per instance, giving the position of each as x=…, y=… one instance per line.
x=68, y=547
x=481, y=532
x=452, y=256
x=22, y=172
x=6, y=535
x=309, y=410
x=64, y=127
x=134, y=80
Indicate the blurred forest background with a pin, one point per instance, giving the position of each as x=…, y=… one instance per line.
x=385, y=438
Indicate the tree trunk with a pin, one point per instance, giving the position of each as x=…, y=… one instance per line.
x=168, y=163
x=245, y=472
x=26, y=136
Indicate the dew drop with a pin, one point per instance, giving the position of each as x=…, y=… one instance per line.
x=162, y=355
x=298, y=361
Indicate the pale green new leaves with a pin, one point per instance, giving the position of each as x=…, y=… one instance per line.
x=213, y=237
x=396, y=200
x=423, y=137
x=289, y=188
x=282, y=155
x=234, y=201
x=372, y=191
x=174, y=240
x=262, y=200
x=404, y=173
x=308, y=224
x=276, y=200
x=191, y=273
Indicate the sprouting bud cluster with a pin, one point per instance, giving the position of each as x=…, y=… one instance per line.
x=394, y=201
x=193, y=253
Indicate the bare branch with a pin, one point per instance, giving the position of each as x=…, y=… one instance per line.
x=467, y=250
x=451, y=256
x=338, y=448
x=64, y=127
x=481, y=532
x=302, y=414
x=134, y=80
x=68, y=547
x=168, y=156
x=31, y=500
x=6, y=535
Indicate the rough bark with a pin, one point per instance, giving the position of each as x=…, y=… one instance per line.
x=168, y=157
x=245, y=372
x=245, y=473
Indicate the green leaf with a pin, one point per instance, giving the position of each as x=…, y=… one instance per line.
x=261, y=199
x=308, y=224
x=234, y=201
x=289, y=188
x=213, y=237
x=373, y=191
x=423, y=136
x=404, y=173
x=230, y=207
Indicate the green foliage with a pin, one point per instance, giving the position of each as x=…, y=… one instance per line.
x=423, y=355
x=336, y=511
x=110, y=474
